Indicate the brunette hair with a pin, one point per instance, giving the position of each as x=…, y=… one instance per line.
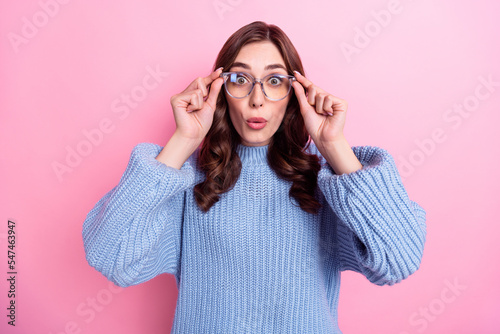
x=286, y=153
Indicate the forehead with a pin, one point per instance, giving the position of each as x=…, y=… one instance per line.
x=259, y=54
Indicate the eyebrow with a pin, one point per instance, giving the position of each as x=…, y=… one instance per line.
x=268, y=67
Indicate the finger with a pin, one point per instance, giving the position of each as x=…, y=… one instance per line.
x=328, y=104
x=214, y=92
x=202, y=87
x=203, y=82
x=338, y=104
x=208, y=80
x=200, y=99
x=198, y=83
x=196, y=101
x=319, y=103
x=214, y=75
x=306, y=82
x=302, y=79
x=300, y=93
x=193, y=102
x=311, y=94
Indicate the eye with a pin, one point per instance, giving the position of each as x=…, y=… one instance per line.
x=239, y=78
x=275, y=80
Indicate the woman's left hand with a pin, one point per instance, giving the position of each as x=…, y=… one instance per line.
x=324, y=114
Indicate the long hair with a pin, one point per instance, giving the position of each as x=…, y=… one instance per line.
x=286, y=152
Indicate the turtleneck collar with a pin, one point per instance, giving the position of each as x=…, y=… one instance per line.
x=252, y=154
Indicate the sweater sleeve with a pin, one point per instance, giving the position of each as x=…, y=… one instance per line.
x=133, y=232
x=380, y=231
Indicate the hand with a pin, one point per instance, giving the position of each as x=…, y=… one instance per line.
x=324, y=114
x=193, y=110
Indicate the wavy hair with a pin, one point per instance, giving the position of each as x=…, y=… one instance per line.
x=286, y=154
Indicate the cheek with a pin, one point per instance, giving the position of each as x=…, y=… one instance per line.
x=281, y=115
x=234, y=113
x=282, y=109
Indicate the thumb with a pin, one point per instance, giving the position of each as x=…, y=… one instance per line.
x=300, y=93
x=214, y=92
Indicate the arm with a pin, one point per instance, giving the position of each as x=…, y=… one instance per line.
x=380, y=231
x=177, y=150
x=340, y=156
x=133, y=233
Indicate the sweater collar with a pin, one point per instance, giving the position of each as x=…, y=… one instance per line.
x=252, y=154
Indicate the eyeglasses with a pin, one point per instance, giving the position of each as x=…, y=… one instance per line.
x=240, y=84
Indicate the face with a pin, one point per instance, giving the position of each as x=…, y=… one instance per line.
x=258, y=59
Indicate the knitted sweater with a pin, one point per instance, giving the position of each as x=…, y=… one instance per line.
x=255, y=262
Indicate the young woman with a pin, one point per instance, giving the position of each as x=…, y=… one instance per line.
x=258, y=222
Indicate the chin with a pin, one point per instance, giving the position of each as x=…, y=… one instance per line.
x=254, y=142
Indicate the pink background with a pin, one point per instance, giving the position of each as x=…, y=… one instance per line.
x=65, y=68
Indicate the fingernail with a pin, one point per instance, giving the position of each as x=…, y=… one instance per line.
x=219, y=69
x=330, y=114
x=297, y=72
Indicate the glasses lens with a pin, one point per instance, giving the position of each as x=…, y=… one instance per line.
x=238, y=84
x=276, y=86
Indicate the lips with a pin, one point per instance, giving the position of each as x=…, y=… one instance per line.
x=256, y=120
x=256, y=123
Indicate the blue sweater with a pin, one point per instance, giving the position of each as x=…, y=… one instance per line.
x=255, y=262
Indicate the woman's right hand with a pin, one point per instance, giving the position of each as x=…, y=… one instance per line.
x=193, y=113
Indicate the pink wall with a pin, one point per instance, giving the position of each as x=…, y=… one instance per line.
x=405, y=68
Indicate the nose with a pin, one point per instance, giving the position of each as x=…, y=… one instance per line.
x=257, y=96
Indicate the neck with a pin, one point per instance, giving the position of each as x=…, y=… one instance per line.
x=252, y=154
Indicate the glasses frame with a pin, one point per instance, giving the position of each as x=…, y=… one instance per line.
x=225, y=76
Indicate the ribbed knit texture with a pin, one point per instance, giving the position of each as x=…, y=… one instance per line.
x=255, y=262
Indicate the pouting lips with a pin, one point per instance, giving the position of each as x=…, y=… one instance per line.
x=256, y=120
x=257, y=123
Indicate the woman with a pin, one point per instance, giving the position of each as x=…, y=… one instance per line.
x=257, y=223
